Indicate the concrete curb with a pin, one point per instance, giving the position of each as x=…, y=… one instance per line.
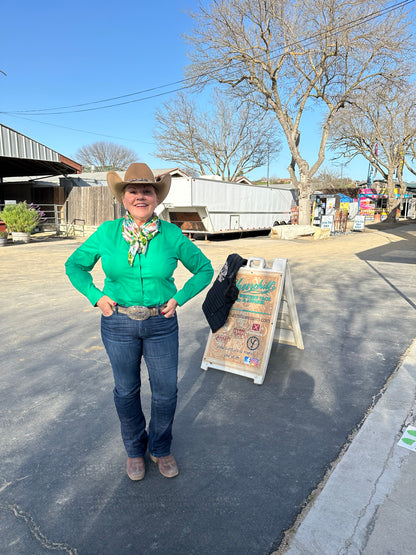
x=344, y=518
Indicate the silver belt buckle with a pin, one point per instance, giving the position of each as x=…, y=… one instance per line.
x=138, y=312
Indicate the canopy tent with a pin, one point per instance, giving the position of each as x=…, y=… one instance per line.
x=344, y=198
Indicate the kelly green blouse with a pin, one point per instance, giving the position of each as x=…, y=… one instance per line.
x=149, y=282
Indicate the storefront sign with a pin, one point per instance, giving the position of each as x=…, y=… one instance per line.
x=327, y=222
x=359, y=223
x=242, y=346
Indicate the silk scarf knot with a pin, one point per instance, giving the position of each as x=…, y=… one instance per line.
x=138, y=237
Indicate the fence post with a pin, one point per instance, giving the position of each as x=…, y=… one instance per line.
x=56, y=217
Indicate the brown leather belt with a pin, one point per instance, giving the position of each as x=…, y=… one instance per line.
x=140, y=312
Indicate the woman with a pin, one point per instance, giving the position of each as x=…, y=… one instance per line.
x=139, y=254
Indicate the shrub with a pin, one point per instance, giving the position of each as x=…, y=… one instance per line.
x=21, y=217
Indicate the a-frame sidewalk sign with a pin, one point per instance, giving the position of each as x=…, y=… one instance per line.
x=264, y=312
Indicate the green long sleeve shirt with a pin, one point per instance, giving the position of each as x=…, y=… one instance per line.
x=149, y=282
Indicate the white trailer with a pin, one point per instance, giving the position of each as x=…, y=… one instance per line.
x=206, y=206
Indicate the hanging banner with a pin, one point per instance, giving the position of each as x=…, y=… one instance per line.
x=242, y=346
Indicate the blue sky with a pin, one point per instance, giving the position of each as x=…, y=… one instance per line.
x=61, y=54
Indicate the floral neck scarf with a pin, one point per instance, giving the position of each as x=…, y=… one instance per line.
x=138, y=237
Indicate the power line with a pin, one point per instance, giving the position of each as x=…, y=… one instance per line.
x=105, y=99
x=307, y=41
x=82, y=130
x=36, y=112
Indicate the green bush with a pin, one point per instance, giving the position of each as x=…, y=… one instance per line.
x=21, y=217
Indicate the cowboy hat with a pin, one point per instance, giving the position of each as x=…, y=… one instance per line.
x=139, y=174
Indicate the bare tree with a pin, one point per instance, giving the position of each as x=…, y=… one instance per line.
x=410, y=159
x=381, y=126
x=289, y=56
x=230, y=139
x=326, y=179
x=106, y=156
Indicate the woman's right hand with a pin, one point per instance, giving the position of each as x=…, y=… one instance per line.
x=106, y=305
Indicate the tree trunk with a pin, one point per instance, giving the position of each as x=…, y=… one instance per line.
x=304, y=210
x=393, y=203
x=305, y=204
x=303, y=186
x=391, y=217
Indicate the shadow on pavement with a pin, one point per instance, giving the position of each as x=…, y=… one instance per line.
x=250, y=456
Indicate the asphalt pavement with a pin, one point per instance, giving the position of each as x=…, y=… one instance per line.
x=259, y=464
x=368, y=504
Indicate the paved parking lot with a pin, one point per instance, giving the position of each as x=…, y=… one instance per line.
x=250, y=456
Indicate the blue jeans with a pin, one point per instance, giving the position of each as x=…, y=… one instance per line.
x=125, y=341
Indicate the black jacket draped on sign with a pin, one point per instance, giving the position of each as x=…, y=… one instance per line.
x=223, y=293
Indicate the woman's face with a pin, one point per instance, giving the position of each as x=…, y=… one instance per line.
x=140, y=200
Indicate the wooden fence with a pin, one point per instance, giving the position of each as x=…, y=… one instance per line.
x=93, y=205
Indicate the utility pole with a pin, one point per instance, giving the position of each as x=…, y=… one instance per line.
x=268, y=165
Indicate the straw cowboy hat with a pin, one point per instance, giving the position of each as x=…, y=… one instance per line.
x=139, y=174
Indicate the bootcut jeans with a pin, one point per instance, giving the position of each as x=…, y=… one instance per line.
x=126, y=341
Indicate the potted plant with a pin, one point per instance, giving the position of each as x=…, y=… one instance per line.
x=3, y=238
x=21, y=219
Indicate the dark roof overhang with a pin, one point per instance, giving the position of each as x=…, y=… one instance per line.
x=21, y=156
x=22, y=167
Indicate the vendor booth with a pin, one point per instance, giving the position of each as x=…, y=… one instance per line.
x=373, y=203
x=324, y=205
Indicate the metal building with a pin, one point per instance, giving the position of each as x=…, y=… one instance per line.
x=22, y=157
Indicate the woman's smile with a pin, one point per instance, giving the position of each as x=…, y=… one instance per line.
x=140, y=200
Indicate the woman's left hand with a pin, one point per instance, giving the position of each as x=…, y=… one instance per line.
x=170, y=309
